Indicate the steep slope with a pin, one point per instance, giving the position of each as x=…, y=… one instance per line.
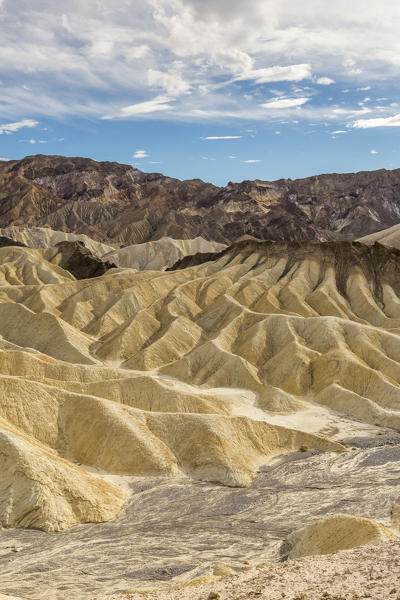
x=205, y=372
x=120, y=205
x=388, y=237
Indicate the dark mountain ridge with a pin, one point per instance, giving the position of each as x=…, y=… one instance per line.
x=122, y=205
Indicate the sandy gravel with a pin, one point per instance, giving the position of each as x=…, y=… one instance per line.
x=367, y=572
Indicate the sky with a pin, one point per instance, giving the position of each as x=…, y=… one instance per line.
x=222, y=90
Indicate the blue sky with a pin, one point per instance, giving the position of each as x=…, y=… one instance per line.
x=221, y=90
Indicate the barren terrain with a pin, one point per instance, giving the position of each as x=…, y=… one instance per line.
x=184, y=408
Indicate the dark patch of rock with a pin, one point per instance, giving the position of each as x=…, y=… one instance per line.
x=79, y=261
x=5, y=241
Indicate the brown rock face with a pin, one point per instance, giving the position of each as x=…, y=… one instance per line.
x=6, y=241
x=78, y=260
x=119, y=204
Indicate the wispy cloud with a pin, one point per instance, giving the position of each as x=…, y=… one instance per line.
x=373, y=152
x=142, y=108
x=279, y=103
x=7, y=128
x=101, y=59
x=277, y=73
x=252, y=160
x=222, y=137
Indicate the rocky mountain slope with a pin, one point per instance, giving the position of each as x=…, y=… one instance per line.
x=120, y=205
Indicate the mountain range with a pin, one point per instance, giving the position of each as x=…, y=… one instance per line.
x=120, y=205
x=191, y=373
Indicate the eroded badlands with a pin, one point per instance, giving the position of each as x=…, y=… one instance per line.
x=199, y=414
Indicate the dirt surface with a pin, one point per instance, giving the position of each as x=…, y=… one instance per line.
x=368, y=572
x=173, y=531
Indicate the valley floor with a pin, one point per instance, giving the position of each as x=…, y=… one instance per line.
x=175, y=530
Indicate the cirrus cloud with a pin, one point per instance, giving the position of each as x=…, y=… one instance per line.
x=276, y=73
x=142, y=108
x=7, y=128
x=279, y=103
x=106, y=59
x=222, y=137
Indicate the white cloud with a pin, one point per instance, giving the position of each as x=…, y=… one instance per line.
x=351, y=67
x=338, y=131
x=252, y=160
x=393, y=121
x=100, y=48
x=222, y=137
x=284, y=103
x=171, y=82
x=5, y=159
x=364, y=89
x=231, y=156
x=325, y=81
x=373, y=152
x=135, y=52
x=348, y=112
x=8, y=128
x=92, y=58
x=160, y=103
x=272, y=74
x=140, y=154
